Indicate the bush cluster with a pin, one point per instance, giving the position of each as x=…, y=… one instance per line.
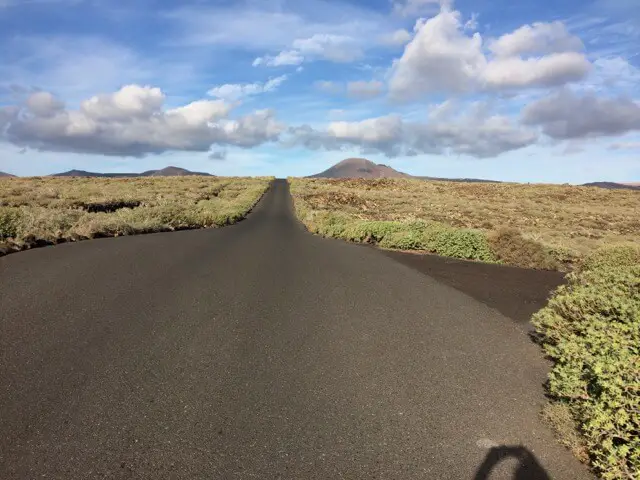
x=591, y=331
x=417, y=235
x=512, y=248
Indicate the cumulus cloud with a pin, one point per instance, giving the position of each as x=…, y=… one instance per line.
x=538, y=38
x=439, y=58
x=442, y=58
x=566, y=115
x=476, y=133
x=364, y=89
x=236, y=91
x=549, y=71
x=132, y=122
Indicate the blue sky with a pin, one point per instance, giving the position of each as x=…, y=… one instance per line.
x=527, y=91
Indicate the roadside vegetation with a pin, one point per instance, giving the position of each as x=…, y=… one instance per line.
x=535, y=226
x=44, y=210
x=591, y=331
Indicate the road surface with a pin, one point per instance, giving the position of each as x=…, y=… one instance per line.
x=259, y=351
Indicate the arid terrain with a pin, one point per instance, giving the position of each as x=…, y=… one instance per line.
x=46, y=210
x=566, y=222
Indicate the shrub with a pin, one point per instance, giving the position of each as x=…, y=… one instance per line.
x=509, y=246
x=329, y=224
x=591, y=330
x=615, y=256
x=412, y=237
x=459, y=243
x=9, y=222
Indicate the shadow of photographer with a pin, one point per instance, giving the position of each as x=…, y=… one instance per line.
x=528, y=466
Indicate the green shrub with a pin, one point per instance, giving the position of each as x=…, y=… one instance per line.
x=615, y=256
x=510, y=247
x=9, y=222
x=591, y=330
x=410, y=238
x=459, y=243
x=329, y=224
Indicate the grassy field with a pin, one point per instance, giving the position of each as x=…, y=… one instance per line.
x=540, y=226
x=45, y=210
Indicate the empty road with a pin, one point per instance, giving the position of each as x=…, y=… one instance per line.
x=260, y=351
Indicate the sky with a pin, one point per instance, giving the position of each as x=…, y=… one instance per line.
x=528, y=91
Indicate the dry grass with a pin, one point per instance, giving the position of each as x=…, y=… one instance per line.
x=568, y=221
x=44, y=210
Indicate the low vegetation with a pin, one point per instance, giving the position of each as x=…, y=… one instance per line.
x=535, y=226
x=591, y=331
x=44, y=210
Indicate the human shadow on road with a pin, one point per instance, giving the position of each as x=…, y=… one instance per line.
x=528, y=466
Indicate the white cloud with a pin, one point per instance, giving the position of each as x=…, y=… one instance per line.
x=398, y=38
x=566, y=115
x=236, y=91
x=538, y=38
x=476, y=133
x=287, y=57
x=364, y=89
x=132, y=122
x=335, y=48
x=552, y=70
x=441, y=58
x=131, y=101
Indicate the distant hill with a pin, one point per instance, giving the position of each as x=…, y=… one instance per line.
x=360, y=168
x=172, y=172
x=613, y=185
x=4, y=174
x=165, y=172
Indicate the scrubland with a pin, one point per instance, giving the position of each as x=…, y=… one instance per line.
x=46, y=210
x=537, y=226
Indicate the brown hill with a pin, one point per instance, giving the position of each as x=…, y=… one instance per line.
x=360, y=168
x=165, y=172
x=613, y=185
x=171, y=172
x=4, y=174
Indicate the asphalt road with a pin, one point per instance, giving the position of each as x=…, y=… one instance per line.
x=259, y=351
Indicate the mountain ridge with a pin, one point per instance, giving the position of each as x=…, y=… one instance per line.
x=169, y=171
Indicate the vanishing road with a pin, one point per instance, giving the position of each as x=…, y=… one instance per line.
x=260, y=351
